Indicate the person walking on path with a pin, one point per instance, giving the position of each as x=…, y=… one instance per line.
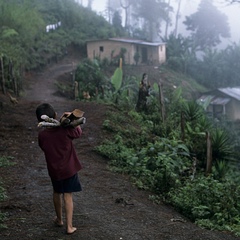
x=62, y=164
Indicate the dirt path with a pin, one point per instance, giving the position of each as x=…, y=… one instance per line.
x=109, y=207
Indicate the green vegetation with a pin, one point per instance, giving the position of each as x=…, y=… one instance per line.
x=169, y=158
x=165, y=149
x=175, y=170
x=216, y=68
x=6, y=161
x=26, y=44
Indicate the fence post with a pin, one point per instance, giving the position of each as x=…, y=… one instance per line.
x=209, y=153
x=183, y=126
x=3, y=79
x=161, y=99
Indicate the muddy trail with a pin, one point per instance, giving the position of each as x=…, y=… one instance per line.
x=110, y=207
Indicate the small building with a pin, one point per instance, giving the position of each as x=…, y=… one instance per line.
x=148, y=52
x=222, y=102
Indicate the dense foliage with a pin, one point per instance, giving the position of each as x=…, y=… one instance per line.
x=207, y=26
x=216, y=68
x=169, y=158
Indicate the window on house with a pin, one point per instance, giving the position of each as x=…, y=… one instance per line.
x=101, y=49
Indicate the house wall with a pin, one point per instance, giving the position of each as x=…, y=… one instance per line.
x=233, y=110
x=156, y=54
x=162, y=54
x=109, y=49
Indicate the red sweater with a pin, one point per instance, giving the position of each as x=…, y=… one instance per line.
x=60, y=154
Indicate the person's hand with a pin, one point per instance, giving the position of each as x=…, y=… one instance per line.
x=64, y=119
x=65, y=114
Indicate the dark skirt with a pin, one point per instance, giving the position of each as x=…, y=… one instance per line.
x=68, y=185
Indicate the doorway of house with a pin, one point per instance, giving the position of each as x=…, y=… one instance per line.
x=144, y=55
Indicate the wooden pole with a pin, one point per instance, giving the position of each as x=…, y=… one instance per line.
x=209, y=154
x=76, y=91
x=120, y=63
x=183, y=126
x=161, y=99
x=3, y=79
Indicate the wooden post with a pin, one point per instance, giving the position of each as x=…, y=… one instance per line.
x=76, y=91
x=3, y=79
x=183, y=126
x=209, y=153
x=13, y=79
x=120, y=63
x=161, y=99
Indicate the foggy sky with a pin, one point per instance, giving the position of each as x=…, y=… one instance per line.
x=190, y=6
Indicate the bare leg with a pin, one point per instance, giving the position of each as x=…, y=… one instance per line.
x=57, y=200
x=68, y=201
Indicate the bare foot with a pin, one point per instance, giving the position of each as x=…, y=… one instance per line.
x=71, y=230
x=58, y=222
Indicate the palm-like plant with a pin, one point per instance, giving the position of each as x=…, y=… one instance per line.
x=192, y=111
x=222, y=148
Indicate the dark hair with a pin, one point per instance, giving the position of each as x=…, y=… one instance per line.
x=144, y=75
x=45, y=109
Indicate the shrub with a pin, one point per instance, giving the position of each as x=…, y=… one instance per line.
x=208, y=202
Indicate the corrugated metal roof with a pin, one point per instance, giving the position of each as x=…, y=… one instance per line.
x=220, y=101
x=205, y=98
x=136, y=41
x=128, y=40
x=213, y=100
x=232, y=92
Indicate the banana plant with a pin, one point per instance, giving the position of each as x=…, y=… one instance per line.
x=116, y=81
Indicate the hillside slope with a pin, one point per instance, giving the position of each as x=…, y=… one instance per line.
x=109, y=207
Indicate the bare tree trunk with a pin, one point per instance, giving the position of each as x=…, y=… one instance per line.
x=3, y=79
x=177, y=17
x=209, y=153
x=167, y=22
x=109, y=11
x=128, y=4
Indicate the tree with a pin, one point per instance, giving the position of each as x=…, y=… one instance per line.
x=90, y=4
x=168, y=22
x=207, y=25
x=20, y=27
x=180, y=53
x=152, y=12
x=112, y=6
x=233, y=1
x=117, y=23
x=126, y=4
x=177, y=17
